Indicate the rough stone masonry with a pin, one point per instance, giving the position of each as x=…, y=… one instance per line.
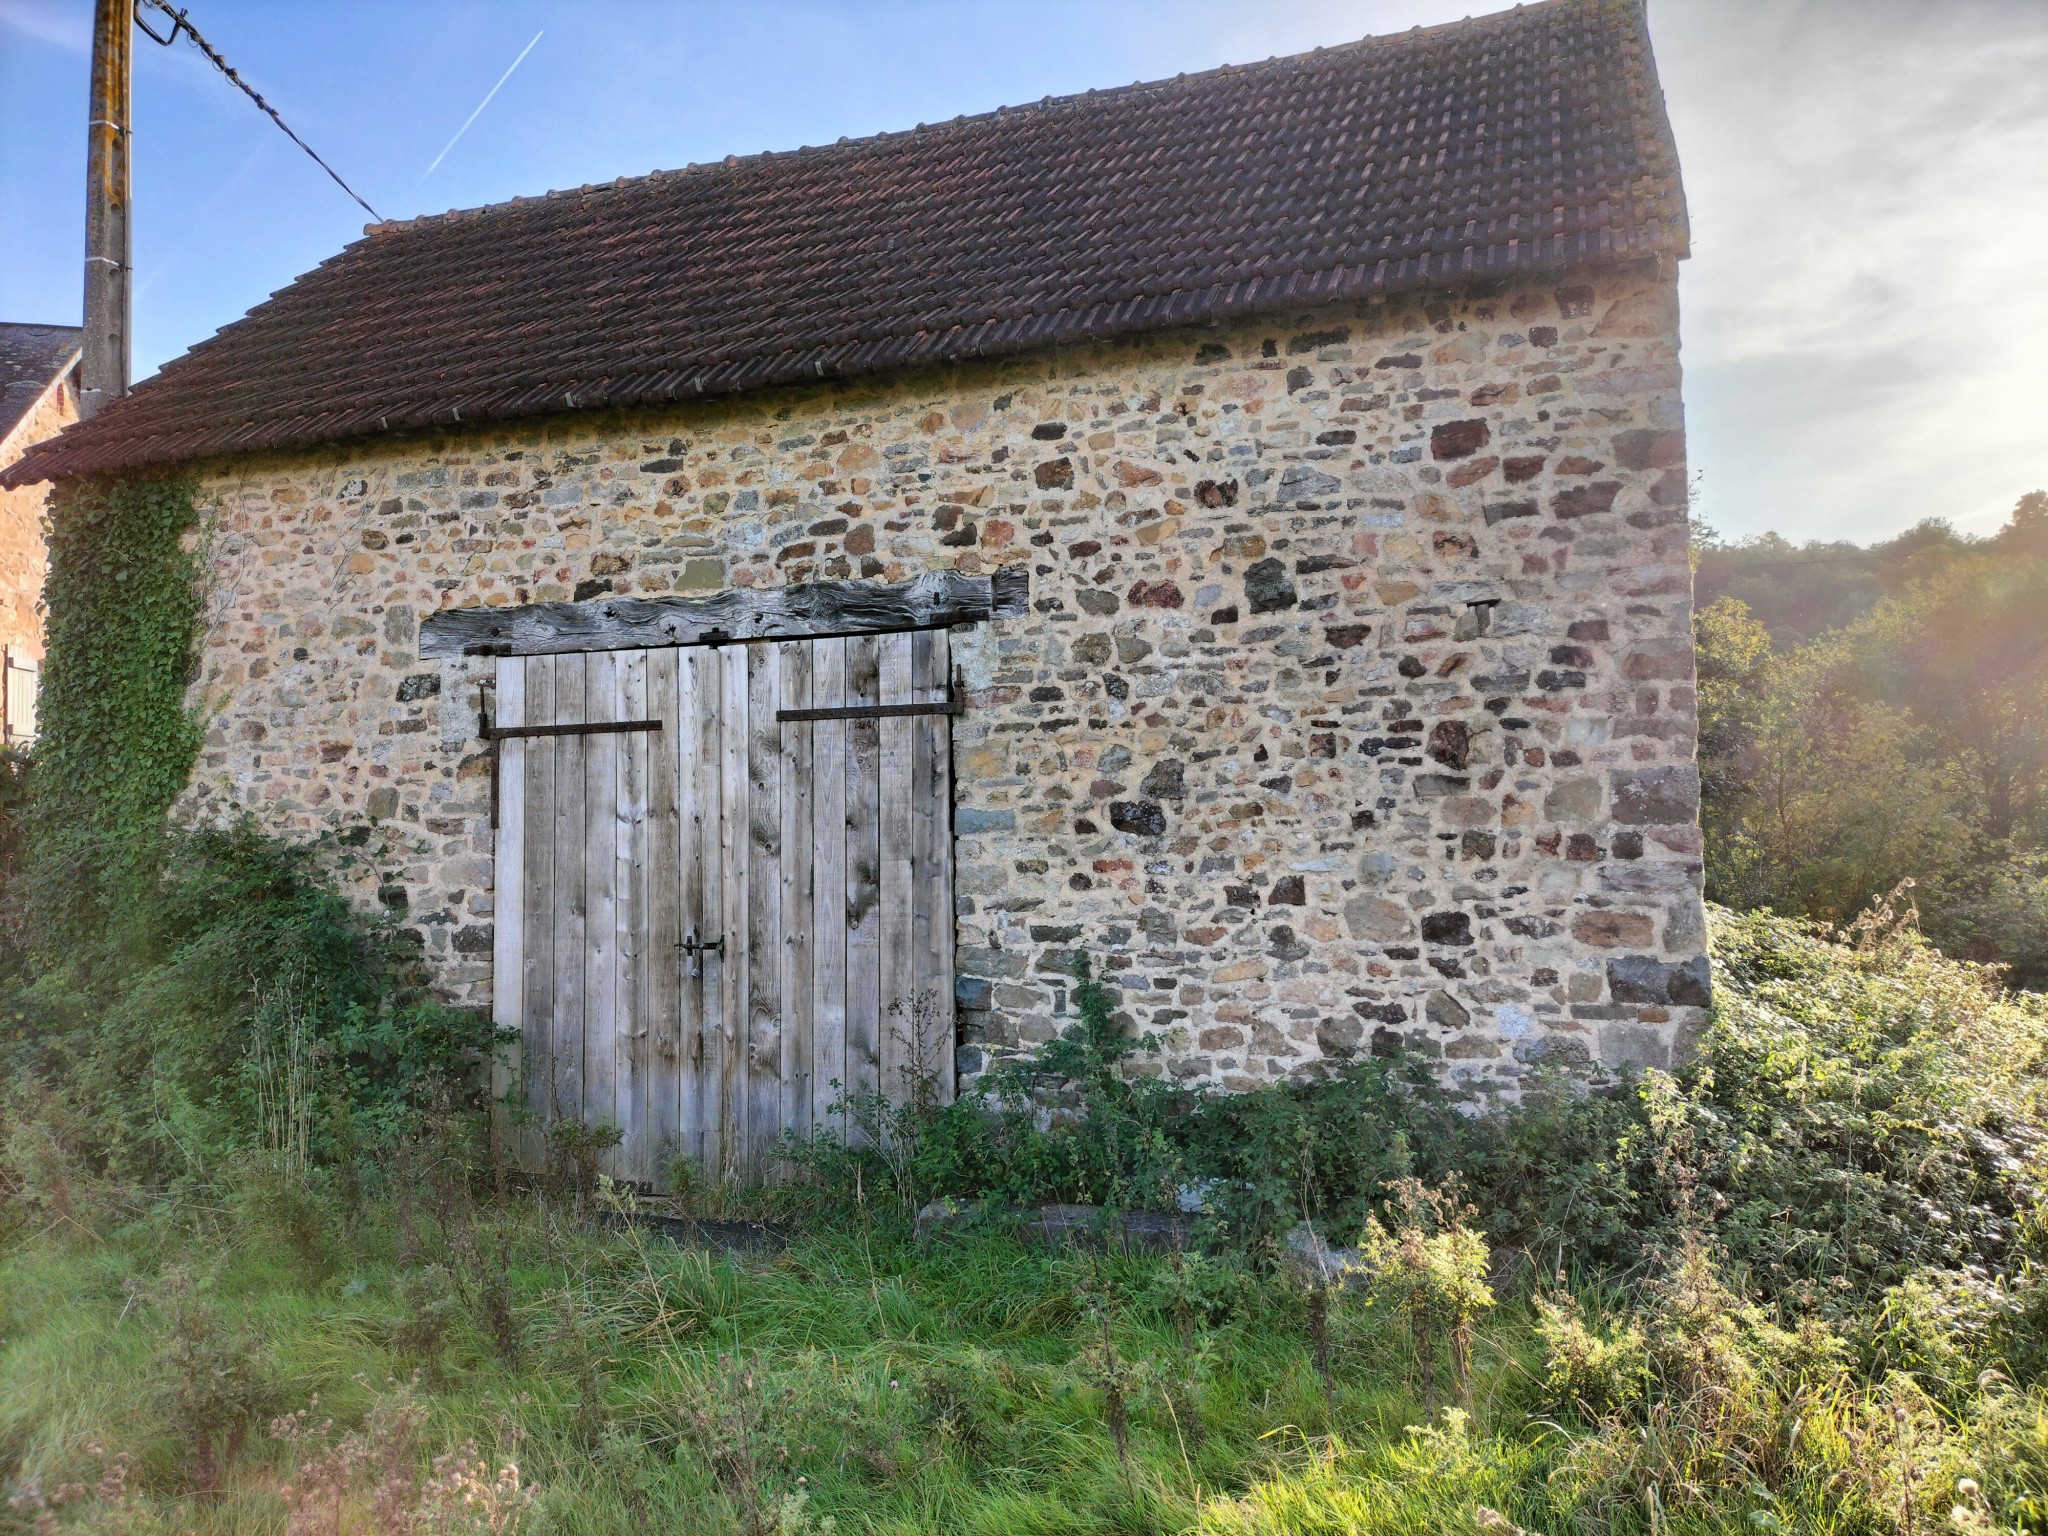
x=1355, y=705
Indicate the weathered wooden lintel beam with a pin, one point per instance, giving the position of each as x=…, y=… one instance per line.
x=935, y=600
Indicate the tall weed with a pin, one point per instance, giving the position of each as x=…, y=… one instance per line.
x=244, y=1005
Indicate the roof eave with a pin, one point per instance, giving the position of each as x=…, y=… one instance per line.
x=1433, y=272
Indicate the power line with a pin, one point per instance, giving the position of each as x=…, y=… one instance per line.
x=180, y=23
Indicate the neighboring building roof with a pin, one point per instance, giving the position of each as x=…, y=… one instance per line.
x=1531, y=140
x=32, y=358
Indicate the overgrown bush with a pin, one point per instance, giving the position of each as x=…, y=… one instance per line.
x=170, y=1000
x=246, y=1006
x=1860, y=1108
x=1866, y=1108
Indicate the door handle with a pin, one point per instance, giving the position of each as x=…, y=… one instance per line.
x=697, y=949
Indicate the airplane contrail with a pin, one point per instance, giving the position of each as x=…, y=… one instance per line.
x=479, y=112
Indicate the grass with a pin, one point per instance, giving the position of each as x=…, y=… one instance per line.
x=857, y=1381
x=855, y=1376
x=1801, y=1286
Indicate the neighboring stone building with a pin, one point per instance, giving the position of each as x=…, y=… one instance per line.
x=1328, y=410
x=38, y=399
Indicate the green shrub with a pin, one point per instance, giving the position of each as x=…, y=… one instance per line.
x=245, y=1007
x=1426, y=1264
x=1860, y=1109
x=1593, y=1367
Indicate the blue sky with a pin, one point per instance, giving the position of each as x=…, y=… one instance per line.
x=1866, y=312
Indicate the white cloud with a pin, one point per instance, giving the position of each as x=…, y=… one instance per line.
x=1865, y=308
x=49, y=21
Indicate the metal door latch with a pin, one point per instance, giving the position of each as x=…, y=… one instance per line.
x=697, y=950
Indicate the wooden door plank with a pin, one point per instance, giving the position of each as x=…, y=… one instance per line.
x=898, y=978
x=661, y=974
x=863, y=922
x=732, y=917
x=932, y=862
x=762, y=834
x=690, y=1043
x=632, y=1045
x=827, y=913
x=567, y=894
x=508, y=886
x=702, y=707
x=798, y=863
x=600, y=953
x=537, y=899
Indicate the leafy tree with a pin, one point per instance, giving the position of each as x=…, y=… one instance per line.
x=1835, y=810
x=1733, y=658
x=1802, y=591
x=1908, y=743
x=1966, y=655
x=2027, y=531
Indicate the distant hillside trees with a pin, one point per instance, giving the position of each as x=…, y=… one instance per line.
x=1799, y=592
x=1863, y=723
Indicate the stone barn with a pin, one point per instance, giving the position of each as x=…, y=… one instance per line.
x=755, y=623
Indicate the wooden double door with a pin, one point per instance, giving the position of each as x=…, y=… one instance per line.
x=724, y=890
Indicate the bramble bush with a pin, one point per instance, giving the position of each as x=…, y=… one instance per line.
x=1860, y=1109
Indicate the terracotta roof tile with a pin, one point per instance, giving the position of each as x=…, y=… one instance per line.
x=1531, y=140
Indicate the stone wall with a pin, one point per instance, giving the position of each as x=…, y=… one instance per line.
x=1356, y=703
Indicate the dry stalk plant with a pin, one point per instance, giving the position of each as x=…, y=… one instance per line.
x=894, y=1127
x=728, y=1424
x=283, y=1054
x=368, y=1482
x=48, y=1510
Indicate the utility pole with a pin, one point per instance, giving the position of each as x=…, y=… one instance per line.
x=109, y=244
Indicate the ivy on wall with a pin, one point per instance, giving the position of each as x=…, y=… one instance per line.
x=190, y=994
x=116, y=740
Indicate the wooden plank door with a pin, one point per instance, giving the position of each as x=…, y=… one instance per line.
x=714, y=933
x=586, y=968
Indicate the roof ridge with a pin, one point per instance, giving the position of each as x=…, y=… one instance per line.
x=849, y=148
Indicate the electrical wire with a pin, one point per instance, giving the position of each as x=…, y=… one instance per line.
x=180, y=23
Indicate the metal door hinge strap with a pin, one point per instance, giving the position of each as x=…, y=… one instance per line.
x=493, y=734
x=874, y=711
x=591, y=728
